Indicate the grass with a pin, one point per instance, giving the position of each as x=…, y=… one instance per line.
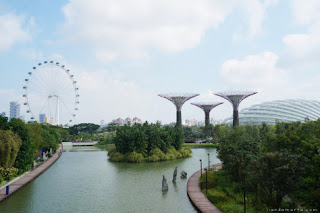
x=226, y=195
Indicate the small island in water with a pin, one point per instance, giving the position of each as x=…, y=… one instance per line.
x=148, y=143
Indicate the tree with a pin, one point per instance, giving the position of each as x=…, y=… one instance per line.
x=83, y=127
x=24, y=158
x=36, y=135
x=236, y=150
x=9, y=147
x=277, y=174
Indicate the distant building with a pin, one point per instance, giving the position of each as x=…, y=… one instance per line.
x=128, y=120
x=194, y=122
x=14, y=109
x=136, y=120
x=102, y=123
x=3, y=114
x=42, y=118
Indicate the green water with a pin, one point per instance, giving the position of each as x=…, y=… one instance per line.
x=83, y=180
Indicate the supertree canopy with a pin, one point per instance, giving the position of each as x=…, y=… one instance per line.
x=207, y=107
x=178, y=99
x=235, y=97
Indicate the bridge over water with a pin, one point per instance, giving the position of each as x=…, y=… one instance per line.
x=83, y=143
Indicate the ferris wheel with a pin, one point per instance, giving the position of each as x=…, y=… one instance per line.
x=51, y=94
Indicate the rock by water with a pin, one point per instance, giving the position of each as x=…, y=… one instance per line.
x=164, y=184
x=175, y=175
x=183, y=174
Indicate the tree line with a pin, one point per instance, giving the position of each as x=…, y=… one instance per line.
x=20, y=142
x=272, y=161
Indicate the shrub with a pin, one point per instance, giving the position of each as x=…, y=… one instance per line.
x=153, y=158
x=186, y=152
x=115, y=156
x=8, y=173
x=158, y=153
x=134, y=157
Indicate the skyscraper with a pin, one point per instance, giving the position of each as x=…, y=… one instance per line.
x=42, y=118
x=14, y=109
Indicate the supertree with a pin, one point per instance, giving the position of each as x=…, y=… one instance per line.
x=235, y=97
x=178, y=99
x=207, y=107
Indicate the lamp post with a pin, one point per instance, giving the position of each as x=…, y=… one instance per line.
x=206, y=180
x=244, y=198
x=201, y=167
x=208, y=161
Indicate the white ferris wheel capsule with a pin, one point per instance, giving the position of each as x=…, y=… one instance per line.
x=51, y=94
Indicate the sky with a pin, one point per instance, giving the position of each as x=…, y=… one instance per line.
x=123, y=53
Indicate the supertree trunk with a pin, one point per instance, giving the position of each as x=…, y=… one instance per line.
x=207, y=120
x=235, y=118
x=179, y=119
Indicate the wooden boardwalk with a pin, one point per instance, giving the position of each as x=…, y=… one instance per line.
x=30, y=176
x=199, y=200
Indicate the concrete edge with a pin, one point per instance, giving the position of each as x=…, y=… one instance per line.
x=27, y=178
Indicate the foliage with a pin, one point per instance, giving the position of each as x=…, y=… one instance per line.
x=8, y=173
x=274, y=175
x=236, y=151
x=24, y=158
x=9, y=146
x=84, y=128
x=272, y=161
x=115, y=156
x=147, y=137
x=134, y=157
x=43, y=136
x=107, y=138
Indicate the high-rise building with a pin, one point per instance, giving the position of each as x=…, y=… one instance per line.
x=3, y=114
x=42, y=118
x=102, y=123
x=14, y=109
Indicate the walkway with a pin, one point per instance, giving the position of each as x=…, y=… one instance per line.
x=30, y=176
x=199, y=200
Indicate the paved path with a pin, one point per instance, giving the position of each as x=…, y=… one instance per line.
x=30, y=176
x=199, y=200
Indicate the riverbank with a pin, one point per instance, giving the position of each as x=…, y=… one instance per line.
x=19, y=183
x=155, y=155
x=198, y=199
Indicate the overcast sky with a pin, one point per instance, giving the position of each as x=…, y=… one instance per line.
x=123, y=53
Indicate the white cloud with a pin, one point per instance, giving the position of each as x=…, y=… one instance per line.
x=103, y=97
x=258, y=73
x=305, y=12
x=255, y=71
x=303, y=49
x=132, y=28
x=12, y=30
x=254, y=12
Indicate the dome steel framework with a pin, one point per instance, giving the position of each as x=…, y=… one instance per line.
x=271, y=112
